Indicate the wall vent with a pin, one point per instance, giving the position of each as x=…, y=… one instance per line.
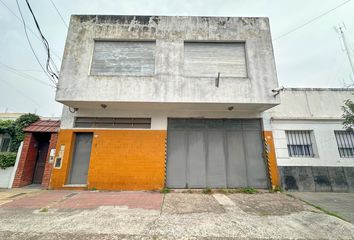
x=101, y=122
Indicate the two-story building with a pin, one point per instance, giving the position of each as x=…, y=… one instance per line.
x=155, y=101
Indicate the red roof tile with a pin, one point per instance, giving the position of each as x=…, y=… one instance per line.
x=43, y=126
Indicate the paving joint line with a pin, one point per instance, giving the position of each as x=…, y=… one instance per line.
x=163, y=202
x=16, y=195
x=50, y=205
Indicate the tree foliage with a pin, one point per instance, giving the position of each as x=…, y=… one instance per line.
x=6, y=126
x=348, y=114
x=19, y=124
x=7, y=159
x=15, y=128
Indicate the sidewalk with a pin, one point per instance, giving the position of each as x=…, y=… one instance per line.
x=9, y=195
x=65, y=199
x=341, y=204
x=150, y=215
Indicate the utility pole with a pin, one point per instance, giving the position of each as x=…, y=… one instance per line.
x=341, y=28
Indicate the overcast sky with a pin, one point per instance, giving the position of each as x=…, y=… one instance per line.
x=309, y=57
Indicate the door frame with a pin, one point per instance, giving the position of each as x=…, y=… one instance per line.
x=71, y=156
x=224, y=118
x=36, y=163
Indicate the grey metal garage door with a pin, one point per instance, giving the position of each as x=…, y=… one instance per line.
x=215, y=153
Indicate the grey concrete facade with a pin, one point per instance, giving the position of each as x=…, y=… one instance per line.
x=169, y=83
x=317, y=179
x=163, y=67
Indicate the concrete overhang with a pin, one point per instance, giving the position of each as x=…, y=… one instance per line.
x=180, y=106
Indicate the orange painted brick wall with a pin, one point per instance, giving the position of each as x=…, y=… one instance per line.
x=120, y=159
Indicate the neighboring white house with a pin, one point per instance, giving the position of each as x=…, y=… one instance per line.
x=5, y=144
x=314, y=151
x=10, y=116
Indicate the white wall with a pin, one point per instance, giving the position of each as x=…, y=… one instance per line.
x=316, y=109
x=327, y=150
x=311, y=103
x=159, y=118
x=5, y=177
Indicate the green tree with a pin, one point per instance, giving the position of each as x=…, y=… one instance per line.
x=348, y=114
x=18, y=125
x=15, y=128
x=6, y=126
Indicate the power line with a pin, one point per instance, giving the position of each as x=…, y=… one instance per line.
x=30, y=44
x=311, y=20
x=341, y=32
x=18, y=18
x=61, y=17
x=24, y=75
x=50, y=64
x=27, y=70
x=22, y=94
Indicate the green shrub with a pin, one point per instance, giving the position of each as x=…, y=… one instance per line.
x=15, y=128
x=18, y=125
x=207, y=191
x=249, y=190
x=165, y=190
x=7, y=159
x=276, y=189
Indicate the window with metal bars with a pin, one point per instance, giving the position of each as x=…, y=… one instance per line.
x=300, y=143
x=102, y=122
x=345, y=143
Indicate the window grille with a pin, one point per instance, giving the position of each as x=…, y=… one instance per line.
x=300, y=144
x=5, y=144
x=100, y=122
x=345, y=143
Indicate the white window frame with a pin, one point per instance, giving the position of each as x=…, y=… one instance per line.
x=301, y=143
x=345, y=143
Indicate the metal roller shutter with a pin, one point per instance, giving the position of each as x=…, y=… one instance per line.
x=215, y=153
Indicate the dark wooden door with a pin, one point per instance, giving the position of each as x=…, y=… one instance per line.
x=40, y=162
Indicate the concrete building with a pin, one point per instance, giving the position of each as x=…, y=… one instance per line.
x=314, y=151
x=10, y=116
x=155, y=101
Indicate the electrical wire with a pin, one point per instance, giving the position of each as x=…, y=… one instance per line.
x=22, y=94
x=31, y=31
x=27, y=70
x=61, y=17
x=49, y=64
x=30, y=44
x=311, y=20
x=24, y=75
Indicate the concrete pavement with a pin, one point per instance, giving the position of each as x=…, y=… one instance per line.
x=341, y=204
x=151, y=215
